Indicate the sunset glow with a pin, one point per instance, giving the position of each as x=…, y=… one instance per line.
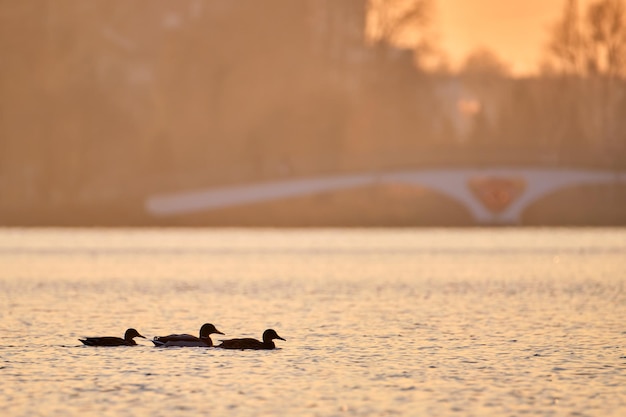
x=292, y=113
x=517, y=31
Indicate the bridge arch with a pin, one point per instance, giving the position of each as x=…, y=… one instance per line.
x=492, y=195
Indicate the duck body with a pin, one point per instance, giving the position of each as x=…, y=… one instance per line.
x=187, y=340
x=181, y=340
x=249, y=343
x=128, y=339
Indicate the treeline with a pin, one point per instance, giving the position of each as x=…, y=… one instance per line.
x=104, y=101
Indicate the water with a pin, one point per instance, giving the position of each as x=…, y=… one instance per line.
x=432, y=322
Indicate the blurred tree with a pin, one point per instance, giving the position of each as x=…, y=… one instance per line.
x=403, y=24
x=606, y=46
x=484, y=63
x=595, y=45
x=484, y=75
x=606, y=60
x=395, y=21
x=566, y=45
x=591, y=53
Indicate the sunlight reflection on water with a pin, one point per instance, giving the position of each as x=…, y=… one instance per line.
x=377, y=322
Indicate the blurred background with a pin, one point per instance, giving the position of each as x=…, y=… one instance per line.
x=107, y=105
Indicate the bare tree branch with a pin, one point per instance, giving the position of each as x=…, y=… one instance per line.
x=399, y=21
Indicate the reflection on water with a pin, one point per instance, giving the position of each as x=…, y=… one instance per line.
x=377, y=322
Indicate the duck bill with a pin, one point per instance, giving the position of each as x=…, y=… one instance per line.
x=141, y=336
x=281, y=338
x=218, y=332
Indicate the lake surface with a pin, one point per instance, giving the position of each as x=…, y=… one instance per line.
x=408, y=322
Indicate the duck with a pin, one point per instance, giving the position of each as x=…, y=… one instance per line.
x=204, y=340
x=248, y=343
x=128, y=339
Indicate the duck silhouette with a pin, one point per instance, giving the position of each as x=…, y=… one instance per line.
x=128, y=339
x=204, y=340
x=248, y=343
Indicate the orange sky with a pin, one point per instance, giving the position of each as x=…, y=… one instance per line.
x=516, y=30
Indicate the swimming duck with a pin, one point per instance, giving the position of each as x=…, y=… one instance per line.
x=204, y=340
x=113, y=341
x=248, y=343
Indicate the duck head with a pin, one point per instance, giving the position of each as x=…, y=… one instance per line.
x=131, y=334
x=208, y=329
x=270, y=334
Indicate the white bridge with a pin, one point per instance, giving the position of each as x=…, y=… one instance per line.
x=492, y=195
